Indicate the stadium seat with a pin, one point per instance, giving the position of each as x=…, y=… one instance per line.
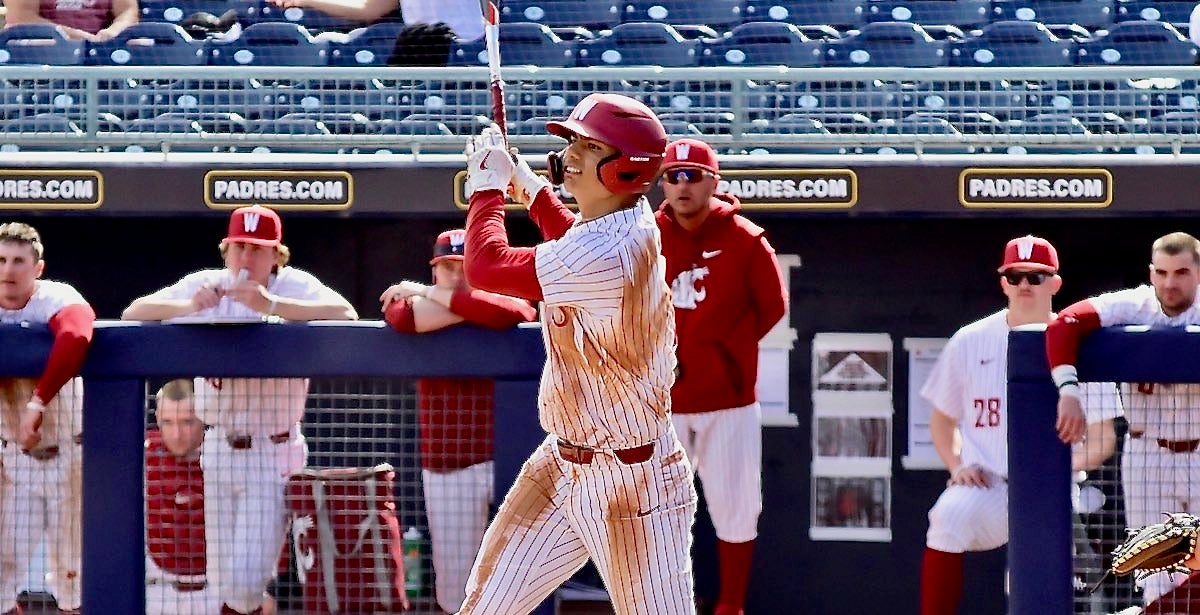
x=1175, y=123
x=573, y=33
x=1176, y=12
x=680, y=128
x=962, y=13
x=337, y=123
x=1013, y=43
x=288, y=126
x=640, y=44
x=458, y=124
x=591, y=14
x=1091, y=14
x=886, y=44
x=791, y=124
x=270, y=44
x=1146, y=43
x=39, y=44
x=414, y=128
x=1070, y=32
x=219, y=122
x=42, y=123
x=720, y=14
x=966, y=122
x=172, y=125
x=696, y=32
x=369, y=46
x=945, y=32
x=845, y=122
x=1108, y=123
x=843, y=14
x=707, y=122
x=763, y=43
x=520, y=43
x=1048, y=124
x=149, y=44
x=1129, y=99
x=916, y=125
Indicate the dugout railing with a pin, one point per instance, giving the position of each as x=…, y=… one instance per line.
x=1042, y=571
x=125, y=356
x=371, y=109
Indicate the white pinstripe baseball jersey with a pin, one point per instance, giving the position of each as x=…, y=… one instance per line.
x=1167, y=411
x=610, y=332
x=255, y=406
x=63, y=417
x=969, y=383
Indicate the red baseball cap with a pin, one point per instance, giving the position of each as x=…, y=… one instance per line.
x=691, y=153
x=255, y=224
x=1030, y=252
x=449, y=245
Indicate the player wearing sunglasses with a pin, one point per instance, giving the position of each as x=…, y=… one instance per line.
x=968, y=391
x=727, y=293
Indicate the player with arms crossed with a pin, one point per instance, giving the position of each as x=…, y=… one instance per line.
x=728, y=293
x=611, y=481
x=1160, y=466
x=255, y=442
x=968, y=391
x=456, y=414
x=40, y=423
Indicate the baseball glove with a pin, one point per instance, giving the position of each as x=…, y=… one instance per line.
x=1156, y=548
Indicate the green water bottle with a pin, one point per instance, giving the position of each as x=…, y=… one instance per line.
x=414, y=576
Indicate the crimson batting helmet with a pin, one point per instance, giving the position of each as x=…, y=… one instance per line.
x=623, y=123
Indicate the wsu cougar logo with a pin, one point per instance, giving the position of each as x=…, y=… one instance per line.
x=685, y=293
x=305, y=558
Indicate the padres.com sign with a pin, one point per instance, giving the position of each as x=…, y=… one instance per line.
x=791, y=188
x=50, y=189
x=317, y=190
x=1069, y=188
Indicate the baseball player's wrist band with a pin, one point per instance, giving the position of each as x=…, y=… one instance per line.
x=35, y=405
x=274, y=304
x=1066, y=380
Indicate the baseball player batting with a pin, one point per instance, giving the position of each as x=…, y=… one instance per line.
x=1160, y=468
x=611, y=481
x=968, y=391
x=255, y=442
x=728, y=293
x=40, y=425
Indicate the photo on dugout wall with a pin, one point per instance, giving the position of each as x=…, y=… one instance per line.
x=853, y=437
x=851, y=508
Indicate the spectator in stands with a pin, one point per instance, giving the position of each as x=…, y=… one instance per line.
x=176, y=575
x=455, y=413
x=95, y=21
x=464, y=17
x=40, y=425
x=255, y=441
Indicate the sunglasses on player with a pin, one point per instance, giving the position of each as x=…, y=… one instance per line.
x=1034, y=278
x=687, y=176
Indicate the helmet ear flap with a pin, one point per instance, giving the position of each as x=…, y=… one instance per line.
x=554, y=167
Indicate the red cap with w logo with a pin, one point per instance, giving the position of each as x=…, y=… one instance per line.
x=255, y=224
x=690, y=153
x=1029, y=252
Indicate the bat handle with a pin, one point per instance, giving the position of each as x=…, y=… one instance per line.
x=498, y=107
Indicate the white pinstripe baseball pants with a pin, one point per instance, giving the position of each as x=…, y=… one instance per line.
x=634, y=521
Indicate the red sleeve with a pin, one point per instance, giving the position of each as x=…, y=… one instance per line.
x=1064, y=333
x=770, y=300
x=490, y=263
x=72, y=327
x=490, y=310
x=550, y=215
x=399, y=315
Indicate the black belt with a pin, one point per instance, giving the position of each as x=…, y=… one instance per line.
x=244, y=442
x=1175, y=446
x=47, y=453
x=577, y=453
x=180, y=586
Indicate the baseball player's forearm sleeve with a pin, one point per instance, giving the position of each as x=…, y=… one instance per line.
x=490, y=263
x=770, y=299
x=72, y=327
x=399, y=316
x=489, y=309
x=550, y=215
x=1064, y=333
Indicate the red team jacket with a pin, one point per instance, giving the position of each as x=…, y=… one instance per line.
x=456, y=413
x=174, y=510
x=728, y=293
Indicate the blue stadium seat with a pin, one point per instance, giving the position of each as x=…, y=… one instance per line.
x=459, y=124
x=222, y=122
x=369, y=46
x=288, y=126
x=154, y=44
x=1127, y=98
x=680, y=128
x=1140, y=43
x=763, y=43
x=1107, y=122
x=42, y=123
x=707, y=122
x=696, y=32
x=967, y=122
x=837, y=13
x=172, y=125
x=1013, y=43
x=1176, y=123
x=270, y=44
x=962, y=13
x=790, y=124
x=888, y=43
x=945, y=32
x=720, y=14
x=592, y=14
x=573, y=33
x=1091, y=14
x=1176, y=12
x=520, y=43
x=337, y=123
x=844, y=122
x=640, y=44
x=414, y=128
x=39, y=44
x=1049, y=124
x=916, y=124
x=1070, y=32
